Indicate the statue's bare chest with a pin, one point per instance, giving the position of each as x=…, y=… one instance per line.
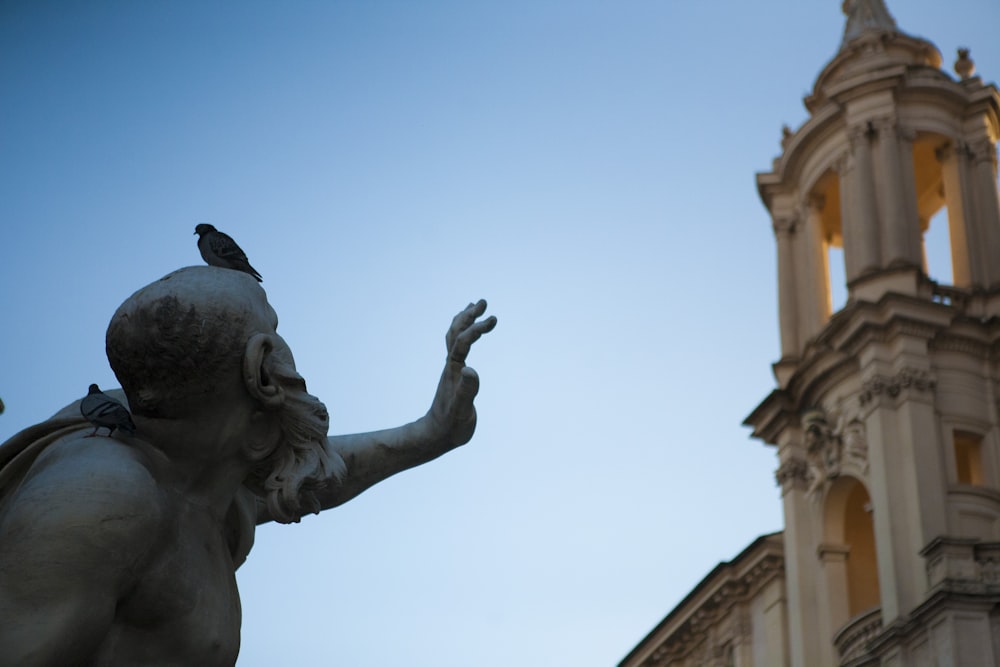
x=185, y=608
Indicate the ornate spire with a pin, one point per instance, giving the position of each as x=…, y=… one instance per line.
x=866, y=16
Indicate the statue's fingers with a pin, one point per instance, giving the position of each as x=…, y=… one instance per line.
x=462, y=343
x=464, y=320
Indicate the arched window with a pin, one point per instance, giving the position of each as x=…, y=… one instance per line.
x=849, y=551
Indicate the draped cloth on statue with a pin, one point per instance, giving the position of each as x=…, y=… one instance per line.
x=20, y=451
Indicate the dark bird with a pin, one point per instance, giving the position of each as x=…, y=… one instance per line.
x=219, y=249
x=101, y=410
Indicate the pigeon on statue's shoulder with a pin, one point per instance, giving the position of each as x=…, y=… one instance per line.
x=103, y=411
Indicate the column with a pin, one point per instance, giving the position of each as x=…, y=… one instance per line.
x=900, y=231
x=844, y=166
x=957, y=198
x=784, y=232
x=984, y=168
x=863, y=214
x=812, y=269
x=907, y=136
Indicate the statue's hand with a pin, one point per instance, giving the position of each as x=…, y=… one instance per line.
x=452, y=416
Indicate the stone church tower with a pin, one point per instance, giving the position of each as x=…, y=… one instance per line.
x=886, y=415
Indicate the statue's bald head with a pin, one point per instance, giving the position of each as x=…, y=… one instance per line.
x=172, y=342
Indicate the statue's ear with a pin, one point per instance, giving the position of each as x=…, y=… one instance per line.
x=258, y=382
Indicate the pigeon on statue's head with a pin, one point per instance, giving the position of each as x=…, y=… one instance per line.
x=103, y=411
x=219, y=249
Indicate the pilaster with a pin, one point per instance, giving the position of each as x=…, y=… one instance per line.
x=902, y=437
x=807, y=644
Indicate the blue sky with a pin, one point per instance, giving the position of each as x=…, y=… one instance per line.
x=587, y=167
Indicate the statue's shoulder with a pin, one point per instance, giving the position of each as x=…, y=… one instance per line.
x=81, y=483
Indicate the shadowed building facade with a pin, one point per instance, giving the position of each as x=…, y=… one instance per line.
x=886, y=415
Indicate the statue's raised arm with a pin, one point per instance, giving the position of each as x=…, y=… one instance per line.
x=371, y=457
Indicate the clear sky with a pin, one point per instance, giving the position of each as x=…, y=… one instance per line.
x=587, y=167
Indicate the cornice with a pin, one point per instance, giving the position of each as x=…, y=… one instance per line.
x=772, y=416
x=871, y=54
x=951, y=342
x=831, y=356
x=866, y=333
x=820, y=373
x=913, y=83
x=728, y=585
x=894, y=315
x=903, y=630
x=925, y=85
x=799, y=147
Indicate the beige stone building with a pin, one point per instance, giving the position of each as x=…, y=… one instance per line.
x=886, y=415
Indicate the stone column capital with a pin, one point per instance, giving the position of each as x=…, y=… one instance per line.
x=793, y=473
x=815, y=202
x=907, y=133
x=785, y=225
x=843, y=163
x=983, y=150
x=884, y=124
x=860, y=135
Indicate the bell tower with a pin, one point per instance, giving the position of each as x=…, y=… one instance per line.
x=886, y=415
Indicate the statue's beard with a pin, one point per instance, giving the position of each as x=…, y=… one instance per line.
x=301, y=465
x=304, y=418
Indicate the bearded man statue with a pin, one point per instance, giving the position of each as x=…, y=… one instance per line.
x=122, y=549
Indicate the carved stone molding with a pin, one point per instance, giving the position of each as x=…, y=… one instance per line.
x=983, y=151
x=907, y=133
x=815, y=202
x=791, y=472
x=963, y=344
x=861, y=134
x=835, y=443
x=976, y=151
x=853, y=639
x=963, y=565
x=906, y=379
x=885, y=124
x=890, y=124
x=946, y=151
x=718, y=620
x=785, y=225
x=833, y=553
x=843, y=163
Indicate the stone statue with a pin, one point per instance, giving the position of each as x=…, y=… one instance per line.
x=822, y=450
x=122, y=550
